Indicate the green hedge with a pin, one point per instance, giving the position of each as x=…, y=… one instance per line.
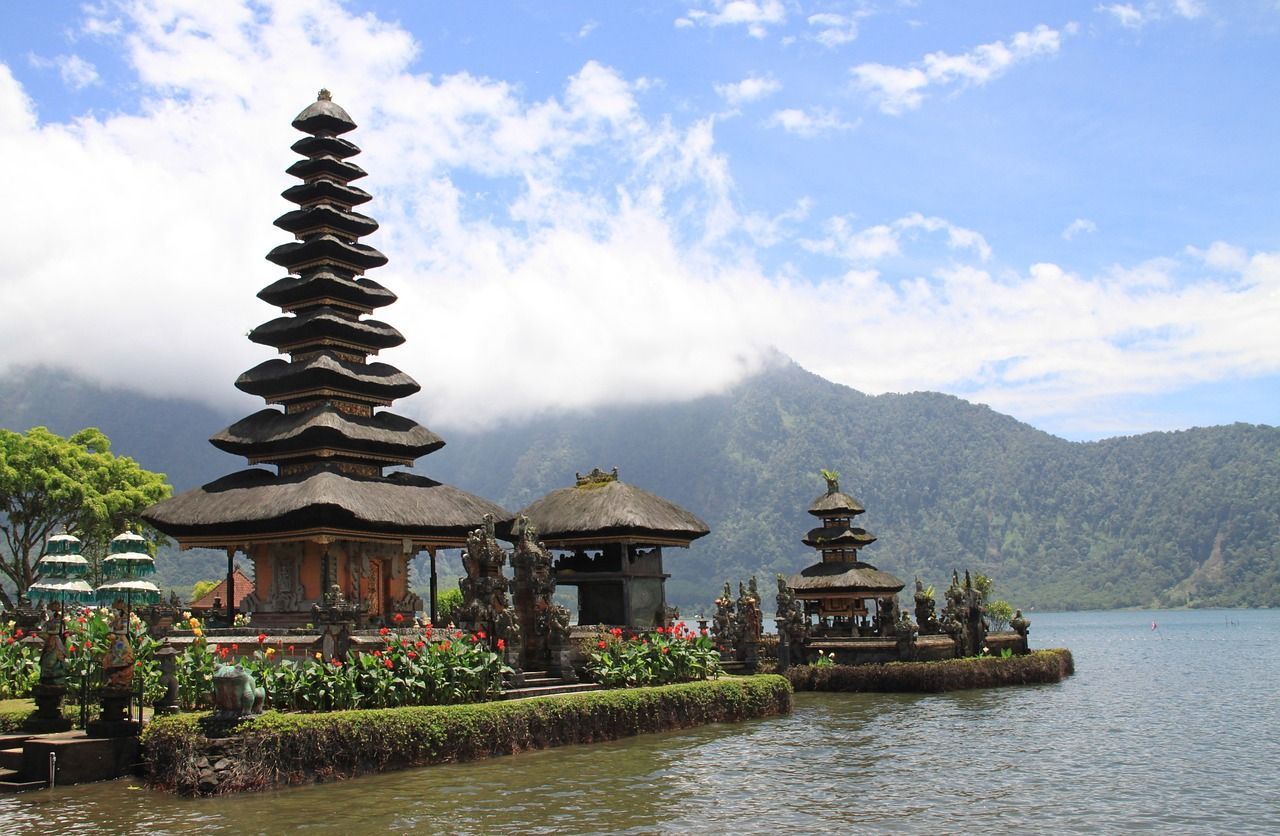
x=11, y=720
x=279, y=749
x=948, y=675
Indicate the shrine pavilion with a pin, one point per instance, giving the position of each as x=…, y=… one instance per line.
x=329, y=513
x=849, y=597
x=610, y=536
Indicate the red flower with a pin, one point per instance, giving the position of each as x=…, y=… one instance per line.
x=457, y=634
x=419, y=643
x=412, y=655
x=475, y=637
x=666, y=650
x=336, y=662
x=502, y=645
x=617, y=632
x=18, y=634
x=660, y=630
x=71, y=648
x=480, y=634
x=404, y=642
x=383, y=631
x=262, y=637
x=235, y=646
x=377, y=653
x=10, y=640
x=399, y=617
x=603, y=644
x=290, y=648
x=388, y=663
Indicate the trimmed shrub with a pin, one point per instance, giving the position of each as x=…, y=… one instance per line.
x=1042, y=666
x=280, y=749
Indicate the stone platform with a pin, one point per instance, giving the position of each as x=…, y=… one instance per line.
x=79, y=759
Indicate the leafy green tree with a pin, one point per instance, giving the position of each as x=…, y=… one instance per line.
x=48, y=482
x=201, y=589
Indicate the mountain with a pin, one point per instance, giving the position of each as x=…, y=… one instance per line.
x=1190, y=517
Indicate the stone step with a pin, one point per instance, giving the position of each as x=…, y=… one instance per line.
x=549, y=690
x=530, y=681
x=11, y=758
x=11, y=781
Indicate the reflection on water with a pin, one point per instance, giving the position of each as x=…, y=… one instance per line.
x=1169, y=730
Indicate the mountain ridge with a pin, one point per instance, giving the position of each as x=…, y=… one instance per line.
x=1166, y=518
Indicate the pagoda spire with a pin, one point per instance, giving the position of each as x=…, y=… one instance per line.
x=328, y=387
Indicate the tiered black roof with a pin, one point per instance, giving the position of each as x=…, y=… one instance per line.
x=839, y=539
x=328, y=429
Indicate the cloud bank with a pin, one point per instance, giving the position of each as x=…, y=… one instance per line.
x=551, y=253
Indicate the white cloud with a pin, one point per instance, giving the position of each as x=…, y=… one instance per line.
x=833, y=30
x=899, y=89
x=755, y=15
x=1132, y=17
x=76, y=72
x=750, y=89
x=1078, y=226
x=1125, y=14
x=605, y=228
x=587, y=28
x=1190, y=9
x=873, y=243
x=810, y=123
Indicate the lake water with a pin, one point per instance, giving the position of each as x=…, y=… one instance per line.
x=1171, y=730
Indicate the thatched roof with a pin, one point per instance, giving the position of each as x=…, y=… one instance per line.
x=847, y=537
x=326, y=190
x=324, y=322
x=845, y=577
x=601, y=508
x=323, y=117
x=338, y=169
x=324, y=285
x=272, y=431
x=327, y=249
x=257, y=502
x=333, y=146
x=834, y=502
x=325, y=371
x=325, y=215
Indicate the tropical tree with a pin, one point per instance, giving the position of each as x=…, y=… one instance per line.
x=47, y=482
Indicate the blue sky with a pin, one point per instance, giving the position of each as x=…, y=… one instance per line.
x=1065, y=210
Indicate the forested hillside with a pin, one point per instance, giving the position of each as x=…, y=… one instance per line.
x=1160, y=519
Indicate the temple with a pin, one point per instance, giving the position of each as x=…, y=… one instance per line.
x=848, y=597
x=610, y=536
x=328, y=513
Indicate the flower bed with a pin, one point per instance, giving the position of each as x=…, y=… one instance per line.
x=1042, y=666
x=281, y=749
x=657, y=657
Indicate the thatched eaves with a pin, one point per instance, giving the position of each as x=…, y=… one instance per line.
x=272, y=432
x=316, y=325
x=838, y=537
x=374, y=381
x=836, y=503
x=326, y=287
x=601, y=508
x=255, y=504
x=835, y=577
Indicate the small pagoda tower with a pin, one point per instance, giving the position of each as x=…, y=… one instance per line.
x=61, y=574
x=127, y=564
x=330, y=514
x=842, y=591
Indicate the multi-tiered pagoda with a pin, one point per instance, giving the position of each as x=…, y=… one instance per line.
x=850, y=597
x=330, y=514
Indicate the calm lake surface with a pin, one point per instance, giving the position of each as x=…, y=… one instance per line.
x=1172, y=730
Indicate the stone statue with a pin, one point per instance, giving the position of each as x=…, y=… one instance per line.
x=724, y=626
x=792, y=623
x=235, y=694
x=748, y=624
x=926, y=615
x=117, y=657
x=53, y=659
x=484, y=588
